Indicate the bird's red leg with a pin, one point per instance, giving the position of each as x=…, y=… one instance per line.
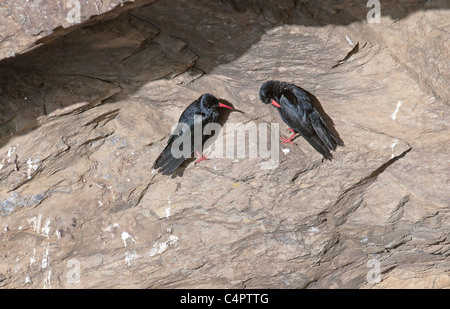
x=288, y=140
x=200, y=157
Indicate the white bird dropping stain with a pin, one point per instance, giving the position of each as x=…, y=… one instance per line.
x=45, y=259
x=125, y=236
x=32, y=259
x=314, y=230
x=10, y=153
x=129, y=256
x=393, y=146
x=349, y=41
x=168, y=208
x=46, y=229
x=285, y=151
x=47, y=280
x=394, y=115
x=31, y=167
x=160, y=247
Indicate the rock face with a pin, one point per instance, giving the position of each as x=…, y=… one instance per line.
x=84, y=116
x=26, y=23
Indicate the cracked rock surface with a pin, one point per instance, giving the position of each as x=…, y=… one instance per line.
x=84, y=115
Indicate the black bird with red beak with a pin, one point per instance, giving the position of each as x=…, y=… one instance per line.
x=202, y=111
x=296, y=109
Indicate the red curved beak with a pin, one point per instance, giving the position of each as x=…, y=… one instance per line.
x=276, y=104
x=226, y=106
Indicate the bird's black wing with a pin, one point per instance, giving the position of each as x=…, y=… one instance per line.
x=191, y=117
x=298, y=112
x=319, y=125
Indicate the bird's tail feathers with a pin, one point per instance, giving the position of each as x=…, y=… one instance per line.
x=322, y=130
x=319, y=145
x=166, y=162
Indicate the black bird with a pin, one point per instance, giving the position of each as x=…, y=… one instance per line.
x=296, y=109
x=202, y=111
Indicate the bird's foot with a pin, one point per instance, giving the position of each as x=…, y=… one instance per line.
x=289, y=140
x=201, y=157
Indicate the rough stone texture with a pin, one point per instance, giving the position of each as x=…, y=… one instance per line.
x=83, y=117
x=27, y=23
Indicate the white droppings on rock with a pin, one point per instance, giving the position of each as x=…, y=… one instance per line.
x=160, y=247
x=394, y=115
x=125, y=236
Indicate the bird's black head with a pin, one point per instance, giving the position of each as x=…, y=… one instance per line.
x=267, y=92
x=208, y=101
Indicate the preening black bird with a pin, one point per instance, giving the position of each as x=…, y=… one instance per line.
x=297, y=111
x=199, y=113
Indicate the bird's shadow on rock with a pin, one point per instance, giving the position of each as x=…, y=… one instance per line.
x=223, y=118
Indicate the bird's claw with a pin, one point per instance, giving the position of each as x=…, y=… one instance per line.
x=287, y=140
x=202, y=158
